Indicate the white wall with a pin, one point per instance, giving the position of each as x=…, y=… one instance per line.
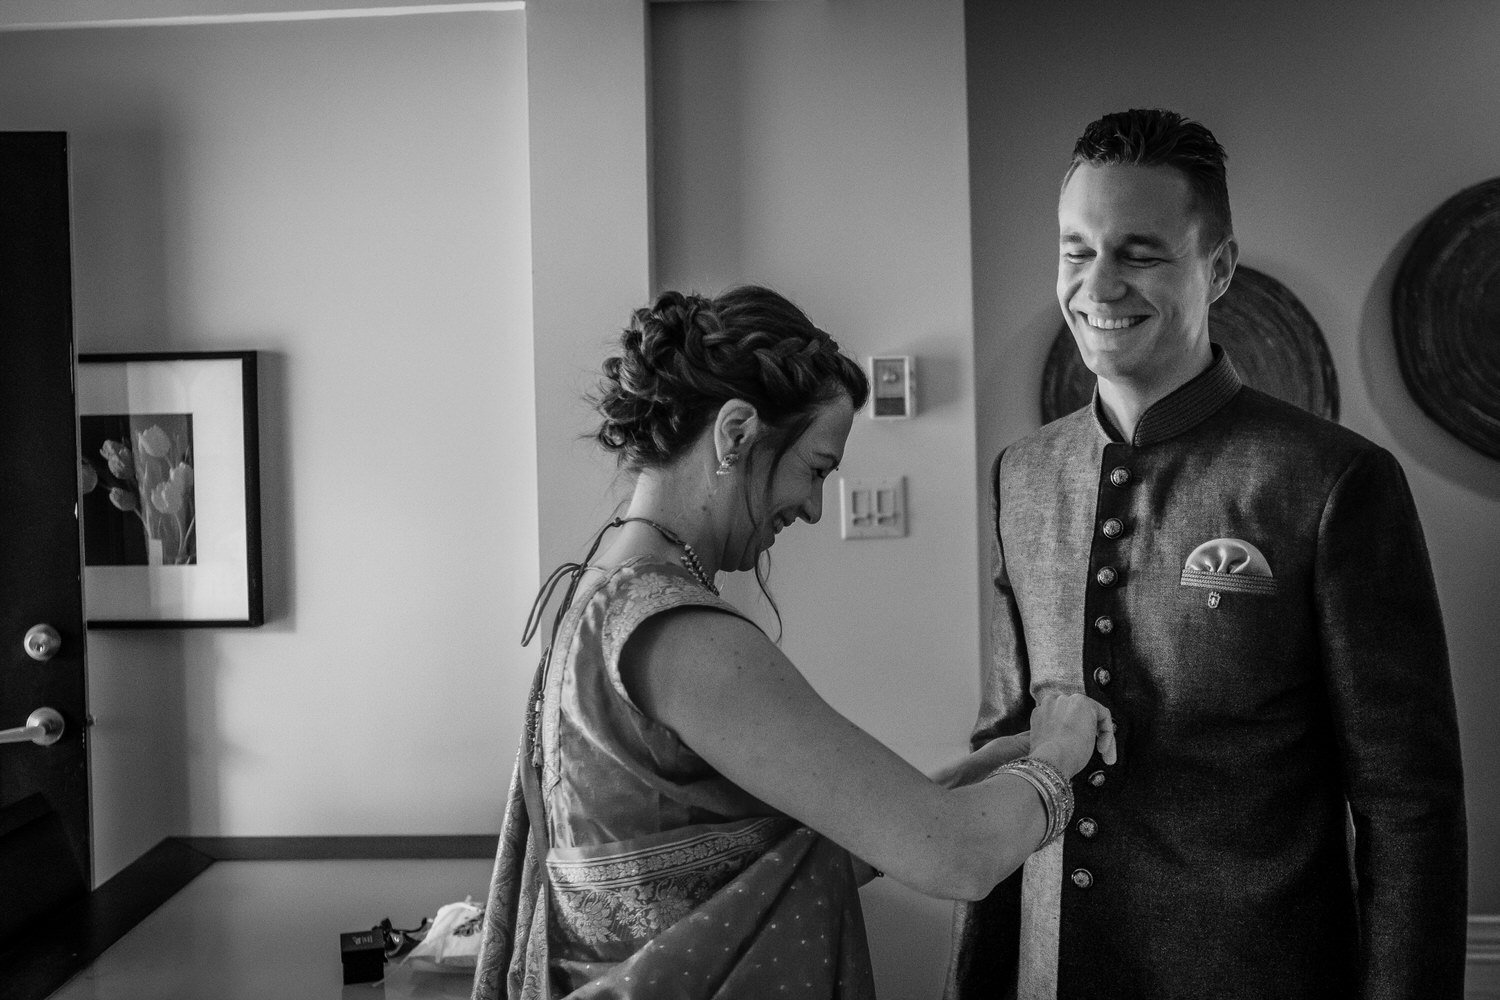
x=591, y=242
x=821, y=149
x=1346, y=126
x=351, y=199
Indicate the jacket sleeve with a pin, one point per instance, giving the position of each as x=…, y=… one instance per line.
x=1004, y=696
x=986, y=933
x=1386, y=661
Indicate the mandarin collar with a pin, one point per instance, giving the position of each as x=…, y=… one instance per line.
x=1183, y=408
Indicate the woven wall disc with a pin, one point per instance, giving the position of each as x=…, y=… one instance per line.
x=1271, y=338
x=1445, y=313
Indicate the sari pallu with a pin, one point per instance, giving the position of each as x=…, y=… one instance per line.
x=753, y=908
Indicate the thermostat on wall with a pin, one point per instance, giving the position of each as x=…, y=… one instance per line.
x=893, y=387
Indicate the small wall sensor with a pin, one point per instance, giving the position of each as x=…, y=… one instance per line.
x=893, y=387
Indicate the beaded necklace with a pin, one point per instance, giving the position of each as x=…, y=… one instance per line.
x=689, y=557
x=573, y=572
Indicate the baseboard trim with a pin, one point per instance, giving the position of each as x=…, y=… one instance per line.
x=343, y=848
x=1484, y=938
x=35, y=965
x=1482, y=971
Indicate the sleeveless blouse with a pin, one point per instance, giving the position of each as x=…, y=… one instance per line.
x=663, y=878
x=610, y=773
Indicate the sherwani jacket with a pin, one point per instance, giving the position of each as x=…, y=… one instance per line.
x=1247, y=588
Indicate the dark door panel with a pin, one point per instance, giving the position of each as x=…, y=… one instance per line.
x=44, y=792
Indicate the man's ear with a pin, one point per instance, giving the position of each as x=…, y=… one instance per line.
x=1224, y=261
x=736, y=428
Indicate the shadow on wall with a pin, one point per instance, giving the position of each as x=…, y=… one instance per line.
x=277, y=530
x=938, y=377
x=1420, y=437
x=721, y=147
x=155, y=697
x=901, y=926
x=1006, y=363
x=120, y=225
x=139, y=752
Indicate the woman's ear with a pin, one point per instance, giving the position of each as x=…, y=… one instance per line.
x=735, y=429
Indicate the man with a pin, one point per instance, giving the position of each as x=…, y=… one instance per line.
x=1246, y=587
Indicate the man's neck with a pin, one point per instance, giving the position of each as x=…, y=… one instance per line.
x=1125, y=401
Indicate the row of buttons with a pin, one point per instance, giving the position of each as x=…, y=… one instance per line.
x=1088, y=829
x=1107, y=576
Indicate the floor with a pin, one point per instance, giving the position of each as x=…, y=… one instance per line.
x=252, y=930
x=262, y=929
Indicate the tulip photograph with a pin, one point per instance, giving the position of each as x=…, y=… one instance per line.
x=135, y=485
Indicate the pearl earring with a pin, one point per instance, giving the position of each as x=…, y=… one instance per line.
x=727, y=463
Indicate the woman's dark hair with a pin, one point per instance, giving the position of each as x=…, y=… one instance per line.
x=685, y=356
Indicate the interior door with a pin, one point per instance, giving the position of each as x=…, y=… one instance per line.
x=44, y=792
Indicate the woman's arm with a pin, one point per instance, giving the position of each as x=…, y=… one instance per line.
x=740, y=704
x=966, y=770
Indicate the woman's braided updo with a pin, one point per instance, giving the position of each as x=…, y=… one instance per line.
x=685, y=356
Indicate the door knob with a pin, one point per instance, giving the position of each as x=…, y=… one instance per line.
x=42, y=642
x=44, y=727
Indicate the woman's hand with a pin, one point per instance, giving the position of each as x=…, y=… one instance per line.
x=1066, y=729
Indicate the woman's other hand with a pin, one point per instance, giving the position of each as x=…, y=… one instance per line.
x=1066, y=729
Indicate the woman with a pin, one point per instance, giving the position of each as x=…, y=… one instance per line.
x=685, y=806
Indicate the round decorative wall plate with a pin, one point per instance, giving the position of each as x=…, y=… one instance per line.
x=1445, y=314
x=1271, y=338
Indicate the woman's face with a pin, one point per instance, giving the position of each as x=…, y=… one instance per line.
x=796, y=486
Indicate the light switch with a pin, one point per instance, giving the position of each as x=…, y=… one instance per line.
x=872, y=508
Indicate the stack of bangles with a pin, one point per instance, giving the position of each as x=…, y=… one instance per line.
x=1055, y=790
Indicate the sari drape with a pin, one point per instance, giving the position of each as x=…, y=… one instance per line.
x=740, y=908
x=757, y=908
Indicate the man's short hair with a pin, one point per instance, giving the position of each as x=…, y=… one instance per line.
x=1154, y=137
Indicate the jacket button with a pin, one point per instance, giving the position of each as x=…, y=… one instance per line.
x=1088, y=827
x=1104, y=624
x=1102, y=676
x=1096, y=779
x=1119, y=476
x=1082, y=877
x=1113, y=528
x=1106, y=576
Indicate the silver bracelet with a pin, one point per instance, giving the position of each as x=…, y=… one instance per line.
x=1055, y=790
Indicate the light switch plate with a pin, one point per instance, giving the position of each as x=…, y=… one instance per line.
x=872, y=508
x=893, y=387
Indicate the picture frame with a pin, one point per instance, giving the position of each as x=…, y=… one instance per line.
x=169, y=489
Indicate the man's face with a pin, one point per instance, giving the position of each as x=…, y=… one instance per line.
x=1133, y=277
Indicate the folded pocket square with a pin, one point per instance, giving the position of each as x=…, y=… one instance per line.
x=1229, y=564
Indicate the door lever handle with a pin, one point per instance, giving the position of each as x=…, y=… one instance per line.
x=44, y=727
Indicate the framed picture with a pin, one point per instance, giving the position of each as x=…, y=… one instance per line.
x=169, y=489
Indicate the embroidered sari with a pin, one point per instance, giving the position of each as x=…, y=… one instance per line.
x=663, y=879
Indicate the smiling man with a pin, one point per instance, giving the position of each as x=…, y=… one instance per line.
x=1246, y=587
